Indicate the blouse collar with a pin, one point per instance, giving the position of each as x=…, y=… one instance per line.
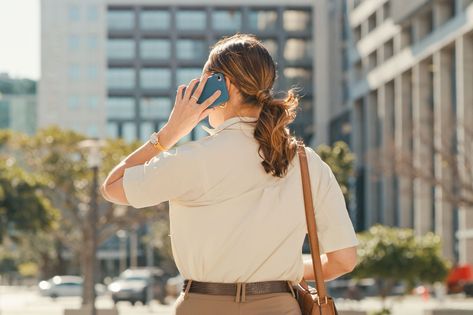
x=231, y=123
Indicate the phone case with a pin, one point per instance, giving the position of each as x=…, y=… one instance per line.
x=215, y=82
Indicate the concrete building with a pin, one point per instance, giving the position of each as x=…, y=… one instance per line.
x=111, y=67
x=18, y=113
x=408, y=68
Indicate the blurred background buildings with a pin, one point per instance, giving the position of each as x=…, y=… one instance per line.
x=123, y=60
x=377, y=74
x=410, y=70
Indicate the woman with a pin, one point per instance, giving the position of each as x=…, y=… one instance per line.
x=237, y=220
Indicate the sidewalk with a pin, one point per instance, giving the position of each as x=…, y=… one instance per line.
x=409, y=305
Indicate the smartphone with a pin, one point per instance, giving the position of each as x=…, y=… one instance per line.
x=215, y=82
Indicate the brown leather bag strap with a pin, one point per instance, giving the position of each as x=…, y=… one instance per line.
x=311, y=225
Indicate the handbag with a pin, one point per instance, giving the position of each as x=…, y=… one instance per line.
x=312, y=301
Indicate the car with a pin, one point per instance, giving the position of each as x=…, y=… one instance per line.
x=139, y=285
x=59, y=286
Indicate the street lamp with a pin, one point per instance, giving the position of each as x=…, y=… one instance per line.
x=90, y=268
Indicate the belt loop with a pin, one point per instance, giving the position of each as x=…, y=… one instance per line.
x=188, y=286
x=243, y=291
x=238, y=290
x=291, y=288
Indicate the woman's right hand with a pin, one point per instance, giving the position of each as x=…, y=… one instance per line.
x=187, y=113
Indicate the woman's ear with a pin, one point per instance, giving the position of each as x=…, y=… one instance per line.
x=229, y=85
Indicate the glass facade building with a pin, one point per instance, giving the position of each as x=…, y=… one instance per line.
x=153, y=49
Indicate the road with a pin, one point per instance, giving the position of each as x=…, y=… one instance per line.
x=27, y=301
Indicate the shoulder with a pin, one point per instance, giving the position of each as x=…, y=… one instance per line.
x=318, y=168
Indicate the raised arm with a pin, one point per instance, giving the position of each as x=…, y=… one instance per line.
x=185, y=115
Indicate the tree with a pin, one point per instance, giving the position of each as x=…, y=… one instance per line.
x=23, y=207
x=53, y=155
x=392, y=255
x=340, y=159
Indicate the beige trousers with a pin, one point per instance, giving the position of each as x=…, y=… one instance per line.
x=281, y=303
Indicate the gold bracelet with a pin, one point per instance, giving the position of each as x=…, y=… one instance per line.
x=158, y=145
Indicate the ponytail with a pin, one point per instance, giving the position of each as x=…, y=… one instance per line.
x=276, y=146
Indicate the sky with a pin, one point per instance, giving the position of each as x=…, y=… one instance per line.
x=19, y=38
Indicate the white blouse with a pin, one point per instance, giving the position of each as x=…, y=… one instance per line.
x=230, y=221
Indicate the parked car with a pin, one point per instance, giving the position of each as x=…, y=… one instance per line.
x=59, y=286
x=139, y=285
x=460, y=279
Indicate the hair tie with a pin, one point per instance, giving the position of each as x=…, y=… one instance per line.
x=263, y=96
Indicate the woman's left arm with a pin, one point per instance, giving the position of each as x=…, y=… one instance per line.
x=186, y=114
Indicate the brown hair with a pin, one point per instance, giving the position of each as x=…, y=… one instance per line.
x=244, y=60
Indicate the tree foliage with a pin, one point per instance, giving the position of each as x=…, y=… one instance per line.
x=340, y=159
x=23, y=207
x=396, y=254
x=55, y=159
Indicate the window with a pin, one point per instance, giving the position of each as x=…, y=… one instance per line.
x=120, y=49
x=146, y=129
x=152, y=78
x=298, y=50
x=357, y=33
x=386, y=10
x=298, y=77
x=191, y=49
x=155, y=20
x=74, y=12
x=120, y=20
x=372, y=22
x=372, y=60
x=92, y=131
x=272, y=47
x=155, y=49
x=73, y=42
x=191, y=20
x=73, y=102
x=129, y=131
x=74, y=72
x=112, y=130
x=226, y=20
x=185, y=75
x=92, y=72
x=92, y=13
x=120, y=108
x=388, y=49
x=359, y=70
x=406, y=36
x=120, y=78
x=263, y=20
x=93, y=102
x=155, y=107
x=295, y=20
x=91, y=41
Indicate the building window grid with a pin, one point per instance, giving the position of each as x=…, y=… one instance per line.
x=277, y=38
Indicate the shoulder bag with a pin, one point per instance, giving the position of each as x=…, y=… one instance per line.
x=312, y=301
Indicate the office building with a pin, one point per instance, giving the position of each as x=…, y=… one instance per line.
x=18, y=104
x=408, y=73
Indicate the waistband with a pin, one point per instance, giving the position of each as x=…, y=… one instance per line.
x=238, y=289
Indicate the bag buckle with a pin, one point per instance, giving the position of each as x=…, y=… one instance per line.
x=325, y=300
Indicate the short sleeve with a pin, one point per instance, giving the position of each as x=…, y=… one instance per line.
x=334, y=227
x=171, y=175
